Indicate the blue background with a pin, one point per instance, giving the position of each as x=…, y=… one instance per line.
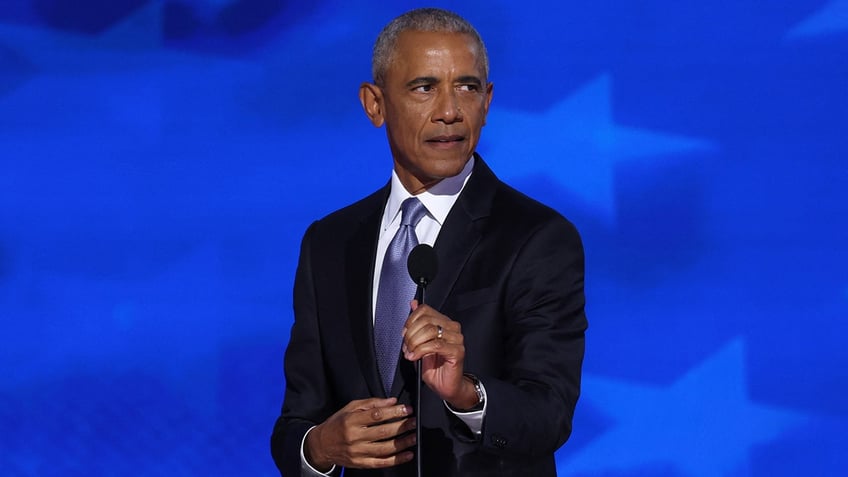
x=159, y=161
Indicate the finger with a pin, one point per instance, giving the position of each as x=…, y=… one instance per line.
x=379, y=463
x=417, y=312
x=388, y=450
x=423, y=333
x=376, y=415
x=440, y=330
x=401, y=440
x=424, y=315
x=389, y=430
x=441, y=348
x=369, y=403
x=362, y=427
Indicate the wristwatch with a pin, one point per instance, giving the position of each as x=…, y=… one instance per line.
x=481, y=398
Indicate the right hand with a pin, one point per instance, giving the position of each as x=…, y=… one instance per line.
x=363, y=434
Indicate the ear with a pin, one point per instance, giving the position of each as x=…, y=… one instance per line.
x=371, y=97
x=489, y=88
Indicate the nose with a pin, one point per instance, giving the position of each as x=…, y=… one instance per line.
x=448, y=109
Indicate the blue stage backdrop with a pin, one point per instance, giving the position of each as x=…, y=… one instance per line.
x=160, y=160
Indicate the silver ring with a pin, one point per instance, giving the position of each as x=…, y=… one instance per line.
x=439, y=332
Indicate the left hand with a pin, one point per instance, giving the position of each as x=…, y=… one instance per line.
x=442, y=357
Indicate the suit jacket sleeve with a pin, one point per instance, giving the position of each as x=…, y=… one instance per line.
x=532, y=394
x=305, y=404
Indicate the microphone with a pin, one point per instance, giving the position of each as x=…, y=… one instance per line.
x=422, y=264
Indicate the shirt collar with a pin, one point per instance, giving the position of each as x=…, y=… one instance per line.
x=438, y=200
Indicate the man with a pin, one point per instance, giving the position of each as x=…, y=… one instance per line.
x=501, y=335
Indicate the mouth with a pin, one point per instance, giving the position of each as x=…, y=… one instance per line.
x=446, y=140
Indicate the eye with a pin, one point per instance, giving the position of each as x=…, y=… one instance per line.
x=470, y=87
x=423, y=88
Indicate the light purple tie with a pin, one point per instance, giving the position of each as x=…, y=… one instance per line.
x=395, y=291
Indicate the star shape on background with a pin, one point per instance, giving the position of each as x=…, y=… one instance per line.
x=121, y=79
x=135, y=45
x=831, y=18
x=578, y=144
x=119, y=46
x=703, y=425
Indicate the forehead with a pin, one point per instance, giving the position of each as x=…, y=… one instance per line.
x=419, y=52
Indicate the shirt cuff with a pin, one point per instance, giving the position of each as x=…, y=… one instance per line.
x=472, y=419
x=307, y=470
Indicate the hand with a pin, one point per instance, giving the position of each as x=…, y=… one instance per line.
x=442, y=357
x=368, y=433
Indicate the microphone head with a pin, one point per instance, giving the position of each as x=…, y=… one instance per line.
x=422, y=264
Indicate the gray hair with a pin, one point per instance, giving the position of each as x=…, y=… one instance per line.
x=421, y=19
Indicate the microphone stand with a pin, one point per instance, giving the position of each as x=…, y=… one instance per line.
x=423, y=265
x=419, y=296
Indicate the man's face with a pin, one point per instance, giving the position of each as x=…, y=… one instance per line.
x=433, y=101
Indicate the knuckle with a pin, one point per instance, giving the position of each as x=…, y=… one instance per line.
x=346, y=420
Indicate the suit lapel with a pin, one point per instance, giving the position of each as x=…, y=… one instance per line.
x=360, y=256
x=461, y=231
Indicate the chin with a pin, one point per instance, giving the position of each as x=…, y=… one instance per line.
x=449, y=167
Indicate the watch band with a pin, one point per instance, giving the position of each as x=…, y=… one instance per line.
x=477, y=389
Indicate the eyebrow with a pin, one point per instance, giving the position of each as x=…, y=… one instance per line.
x=421, y=80
x=470, y=79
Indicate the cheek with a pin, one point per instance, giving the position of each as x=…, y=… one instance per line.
x=476, y=110
x=415, y=123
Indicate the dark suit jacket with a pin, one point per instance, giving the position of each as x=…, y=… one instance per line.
x=510, y=271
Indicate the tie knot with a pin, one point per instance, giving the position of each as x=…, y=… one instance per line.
x=412, y=211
